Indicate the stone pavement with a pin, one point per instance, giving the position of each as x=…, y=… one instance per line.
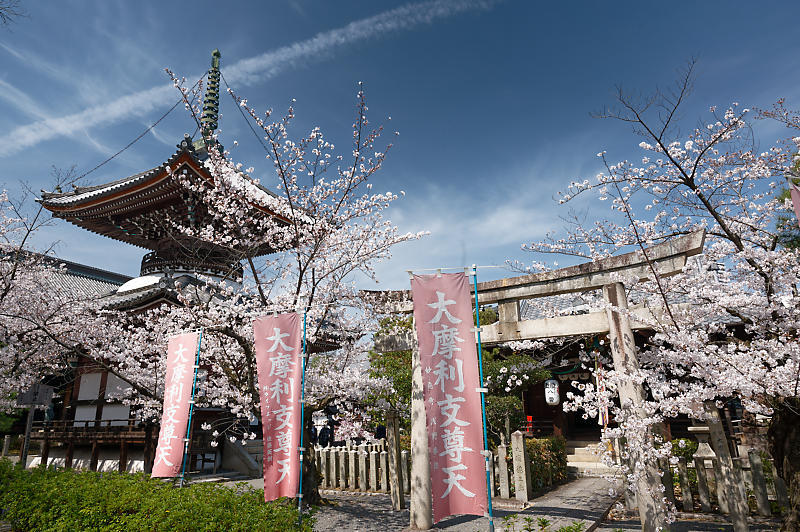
x=585, y=500
x=701, y=524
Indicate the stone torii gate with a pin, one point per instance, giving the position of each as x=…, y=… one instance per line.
x=667, y=259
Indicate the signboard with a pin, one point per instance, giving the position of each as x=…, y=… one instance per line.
x=38, y=394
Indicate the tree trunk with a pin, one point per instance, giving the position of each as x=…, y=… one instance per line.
x=310, y=474
x=784, y=445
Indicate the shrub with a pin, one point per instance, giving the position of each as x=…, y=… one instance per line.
x=48, y=499
x=684, y=447
x=548, y=460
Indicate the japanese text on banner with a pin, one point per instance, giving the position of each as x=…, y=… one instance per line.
x=278, y=343
x=181, y=353
x=449, y=361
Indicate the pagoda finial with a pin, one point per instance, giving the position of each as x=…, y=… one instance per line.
x=211, y=99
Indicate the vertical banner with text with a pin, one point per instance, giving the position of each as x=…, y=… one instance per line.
x=181, y=353
x=279, y=345
x=449, y=360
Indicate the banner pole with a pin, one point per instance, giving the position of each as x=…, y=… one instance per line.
x=483, y=403
x=302, y=424
x=191, y=409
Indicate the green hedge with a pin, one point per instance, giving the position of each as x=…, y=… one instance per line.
x=548, y=460
x=47, y=499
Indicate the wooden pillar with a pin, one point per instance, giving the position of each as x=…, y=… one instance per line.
x=421, y=513
x=70, y=452
x=149, y=454
x=652, y=513
x=45, y=451
x=123, y=456
x=95, y=452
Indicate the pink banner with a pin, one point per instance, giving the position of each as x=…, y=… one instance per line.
x=279, y=350
x=181, y=353
x=449, y=360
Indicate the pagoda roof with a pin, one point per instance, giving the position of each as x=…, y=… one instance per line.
x=133, y=209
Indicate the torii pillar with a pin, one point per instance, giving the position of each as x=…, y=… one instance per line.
x=631, y=395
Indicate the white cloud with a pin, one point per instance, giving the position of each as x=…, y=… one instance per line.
x=13, y=96
x=475, y=225
x=243, y=72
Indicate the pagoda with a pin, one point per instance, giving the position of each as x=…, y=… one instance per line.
x=147, y=209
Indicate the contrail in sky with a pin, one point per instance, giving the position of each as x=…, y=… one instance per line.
x=244, y=72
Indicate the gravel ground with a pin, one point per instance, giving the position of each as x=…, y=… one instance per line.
x=585, y=500
x=359, y=513
x=688, y=526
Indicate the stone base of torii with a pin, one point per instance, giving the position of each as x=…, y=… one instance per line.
x=667, y=258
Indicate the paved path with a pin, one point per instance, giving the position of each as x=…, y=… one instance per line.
x=585, y=500
x=702, y=524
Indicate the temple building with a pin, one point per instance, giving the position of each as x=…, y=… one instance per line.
x=147, y=210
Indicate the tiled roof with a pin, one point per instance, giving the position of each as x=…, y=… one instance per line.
x=82, y=280
x=82, y=194
x=138, y=298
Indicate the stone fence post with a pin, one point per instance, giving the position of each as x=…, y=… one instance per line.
x=522, y=467
x=373, y=471
x=759, y=483
x=502, y=472
x=703, y=463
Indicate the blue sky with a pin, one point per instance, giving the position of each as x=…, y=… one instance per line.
x=492, y=99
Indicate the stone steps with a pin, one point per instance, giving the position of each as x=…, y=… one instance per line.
x=222, y=476
x=589, y=469
x=583, y=459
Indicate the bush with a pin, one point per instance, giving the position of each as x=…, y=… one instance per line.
x=548, y=460
x=684, y=447
x=47, y=499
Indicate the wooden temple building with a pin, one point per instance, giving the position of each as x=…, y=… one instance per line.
x=146, y=210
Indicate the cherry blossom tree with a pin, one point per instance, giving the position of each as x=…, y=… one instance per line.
x=303, y=245
x=43, y=323
x=730, y=330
